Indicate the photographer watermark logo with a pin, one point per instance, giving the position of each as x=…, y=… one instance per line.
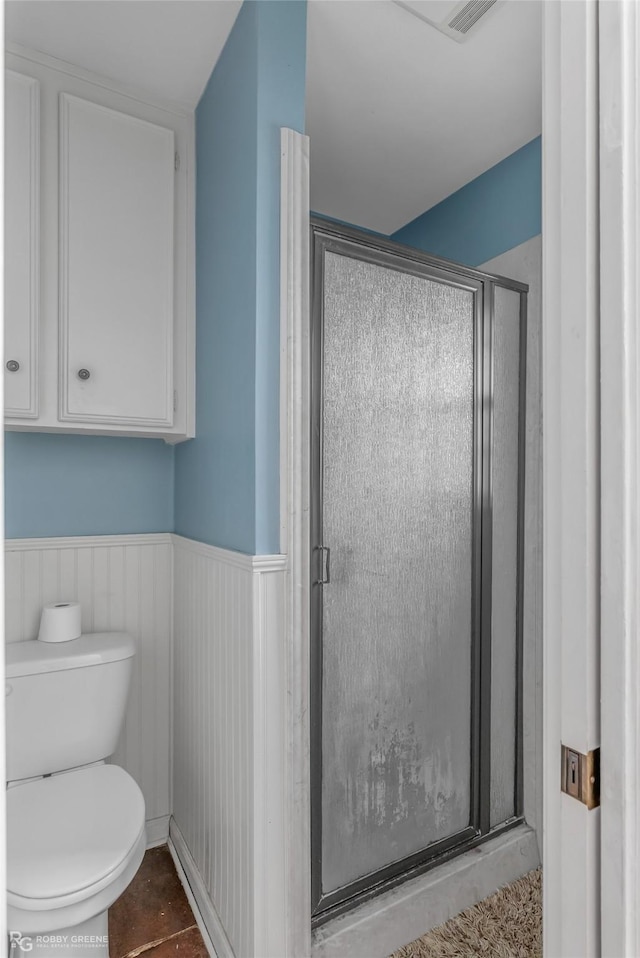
x=19, y=943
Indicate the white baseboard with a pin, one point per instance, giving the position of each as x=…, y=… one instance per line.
x=157, y=831
x=204, y=911
x=381, y=926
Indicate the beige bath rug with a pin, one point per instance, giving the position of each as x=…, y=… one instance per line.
x=506, y=925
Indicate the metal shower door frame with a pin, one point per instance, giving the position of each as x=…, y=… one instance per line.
x=346, y=241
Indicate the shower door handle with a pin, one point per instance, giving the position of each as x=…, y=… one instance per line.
x=325, y=555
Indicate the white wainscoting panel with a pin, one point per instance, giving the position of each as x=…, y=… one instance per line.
x=123, y=583
x=228, y=741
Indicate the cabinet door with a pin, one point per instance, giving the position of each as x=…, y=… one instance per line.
x=21, y=246
x=116, y=266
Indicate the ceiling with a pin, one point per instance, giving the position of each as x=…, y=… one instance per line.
x=399, y=115
x=165, y=48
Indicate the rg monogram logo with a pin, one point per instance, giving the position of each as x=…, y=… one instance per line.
x=18, y=940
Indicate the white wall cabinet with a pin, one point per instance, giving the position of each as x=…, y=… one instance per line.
x=21, y=247
x=110, y=250
x=116, y=266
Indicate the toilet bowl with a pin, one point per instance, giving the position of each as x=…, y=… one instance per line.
x=75, y=840
x=75, y=832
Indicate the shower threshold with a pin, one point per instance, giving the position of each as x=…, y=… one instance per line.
x=403, y=909
x=405, y=871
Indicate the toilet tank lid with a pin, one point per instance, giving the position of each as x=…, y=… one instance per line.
x=96, y=648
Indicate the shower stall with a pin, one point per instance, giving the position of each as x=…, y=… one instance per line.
x=418, y=378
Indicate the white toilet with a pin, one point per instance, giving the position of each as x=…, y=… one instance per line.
x=75, y=826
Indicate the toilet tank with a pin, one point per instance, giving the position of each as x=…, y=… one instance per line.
x=65, y=701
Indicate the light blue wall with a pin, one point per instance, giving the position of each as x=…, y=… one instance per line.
x=282, y=64
x=86, y=485
x=227, y=479
x=493, y=213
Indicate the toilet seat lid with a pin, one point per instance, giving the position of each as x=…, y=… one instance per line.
x=68, y=832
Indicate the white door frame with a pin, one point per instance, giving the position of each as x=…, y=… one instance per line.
x=619, y=93
x=591, y=492
x=3, y=818
x=570, y=330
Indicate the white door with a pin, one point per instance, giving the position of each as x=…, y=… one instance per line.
x=116, y=266
x=22, y=239
x=619, y=69
x=591, y=409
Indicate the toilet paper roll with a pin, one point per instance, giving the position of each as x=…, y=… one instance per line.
x=60, y=622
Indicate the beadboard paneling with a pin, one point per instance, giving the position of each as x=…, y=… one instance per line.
x=122, y=583
x=228, y=749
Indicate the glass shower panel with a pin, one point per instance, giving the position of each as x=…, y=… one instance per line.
x=504, y=590
x=398, y=467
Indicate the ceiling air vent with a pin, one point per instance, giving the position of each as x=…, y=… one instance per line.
x=455, y=20
x=469, y=15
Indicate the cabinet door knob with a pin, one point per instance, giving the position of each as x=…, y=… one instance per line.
x=13, y=365
x=83, y=374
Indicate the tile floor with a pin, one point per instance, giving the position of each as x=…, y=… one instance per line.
x=153, y=918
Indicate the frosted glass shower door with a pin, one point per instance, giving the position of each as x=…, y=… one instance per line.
x=397, y=423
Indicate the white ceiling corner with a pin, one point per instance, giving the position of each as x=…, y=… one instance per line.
x=165, y=48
